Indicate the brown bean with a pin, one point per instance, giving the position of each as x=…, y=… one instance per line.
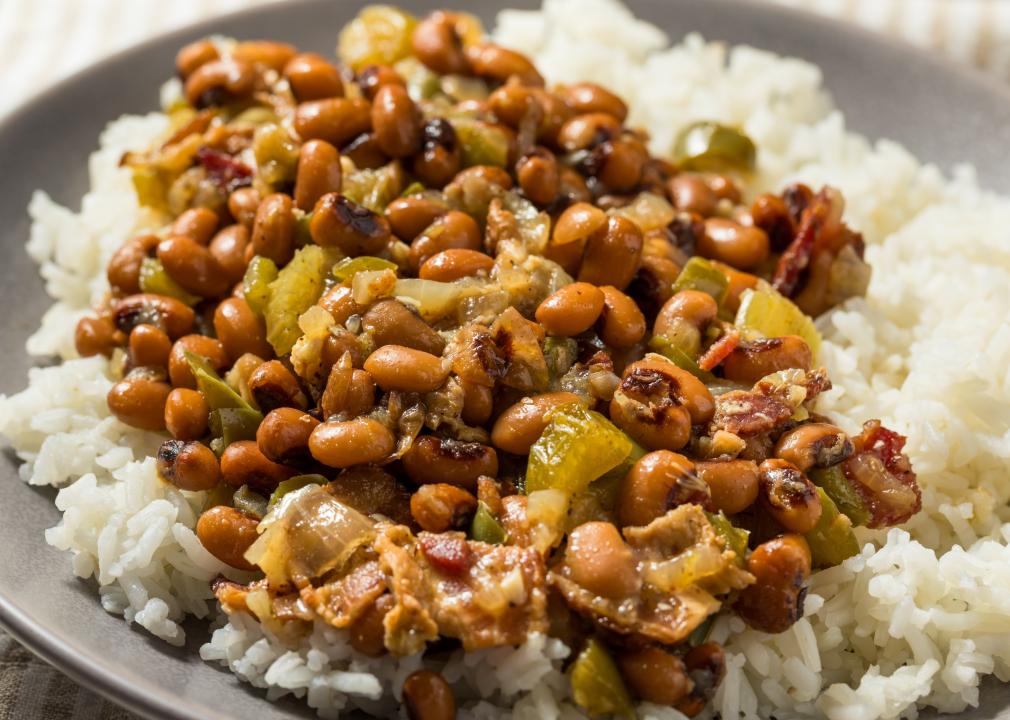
x=455, y=229
x=367, y=634
x=498, y=64
x=269, y=53
x=781, y=568
x=139, y=402
x=335, y=120
x=283, y=436
x=219, y=82
x=433, y=460
x=240, y=330
x=538, y=176
x=313, y=77
x=167, y=313
x=587, y=97
x=227, y=533
x=742, y=246
x=272, y=385
x=571, y=309
x=96, y=336
x=621, y=324
x=427, y=696
x=242, y=204
x=349, y=392
x=588, y=130
x=186, y=414
x=273, y=234
x=149, y=346
x=789, y=496
x=409, y=216
x=706, y=665
x=439, y=507
x=228, y=248
x=188, y=465
x=198, y=224
x=485, y=174
x=654, y=675
x=364, y=152
x=338, y=301
x=396, y=121
x=691, y=193
x=478, y=403
x=392, y=323
x=242, y=463
x=342, y=223
x=738, y=282
x=751, y=361
x=347, y=443
x=519, y=426
x=440, y=158
x=319, y=173
x=193, y=55
x=455, y=264
x=395, y=367
x=598, y=559
x=193, y=266
x=612, y=254
x=732, y=483
x=577, y=223
x=123, y=270
x=657, y=482
x=338, y=343
x=814, y=445
x=178, y=367
x=725, y=188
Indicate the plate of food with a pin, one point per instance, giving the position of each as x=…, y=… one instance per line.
x=569, y=361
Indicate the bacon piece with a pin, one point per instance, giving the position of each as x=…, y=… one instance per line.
x=227, y=173
x=882, y=475
x=719, y=351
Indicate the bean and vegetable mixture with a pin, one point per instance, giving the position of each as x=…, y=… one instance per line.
x=455, y=361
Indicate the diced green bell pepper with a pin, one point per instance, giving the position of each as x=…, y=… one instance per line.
x=832, y=540
x=485, y=528
x=597, y=685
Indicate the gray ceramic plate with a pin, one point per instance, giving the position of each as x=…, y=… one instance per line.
x=942, y=113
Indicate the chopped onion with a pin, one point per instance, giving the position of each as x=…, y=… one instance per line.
x=308, y=533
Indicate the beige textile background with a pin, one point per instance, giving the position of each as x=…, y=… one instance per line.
x=42, y=41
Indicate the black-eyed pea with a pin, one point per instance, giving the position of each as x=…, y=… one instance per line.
x=706, y=666
x=733, y=484
x=352, y=228
x=396, y=121
x=751, y=361
x=268, y=53
x=395, y=367
x=814, y=445
x=498, y=64
x=335, y=120
x=193, y=266
x=455, y=264
x=319, y=172
x=571, y=309
x=654, y=675
x=621, y=324
x=519, y=426
x=588, y=130
x=186, y=414
x=240, y=330
x=455, y=229
x=346, y=443
x=349, y=392
x=392, y=323
x=781, y=568
x=96, y=336
x=589, y=97
x=577, y=223
x=598, y=559
x=443, y=460
x=193, y=55
x=437, y=43
x=123, y=270
x=283, y=436
x=139, y=402
x=374, y=77
x=188, y=465
x=742, y=246
x=409, y=216
x=273, y=233
x=439, y=507
x=149, y=347
x=657, y=482
x=789, y=496
x=198, y=224
x=427, y=696
x=228, y=247
x=179, y=371
x=612, y=254
x=478, y=403
x=167, y=313
x=367, y=634
x=227, y=534
x=313, y=77
x=440, y=158
x=272, y=385
x=538, y=176
x=691, y=193
x=619, y=165
x=219, y=82
x=242, y=463
x=242, y=205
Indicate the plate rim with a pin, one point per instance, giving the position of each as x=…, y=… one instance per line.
x=150, y=700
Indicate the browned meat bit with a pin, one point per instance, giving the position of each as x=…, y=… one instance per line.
x=373, y=491
x=343, y=601
x=518, y=343
x=665, y=600
x=771, y=402
x=483, y=595
x=882, y=475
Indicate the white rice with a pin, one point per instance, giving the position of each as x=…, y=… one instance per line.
x=916, y=620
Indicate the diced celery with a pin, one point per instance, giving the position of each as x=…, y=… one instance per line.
x=154, y=279
x=733, y=538
x=379, y=35
x=700, y=274
x=832, y=540
x=256, y=283
x=249, y=502
x=771, y=314
x=297, y=287
x=346, y=268
x=678, y=357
